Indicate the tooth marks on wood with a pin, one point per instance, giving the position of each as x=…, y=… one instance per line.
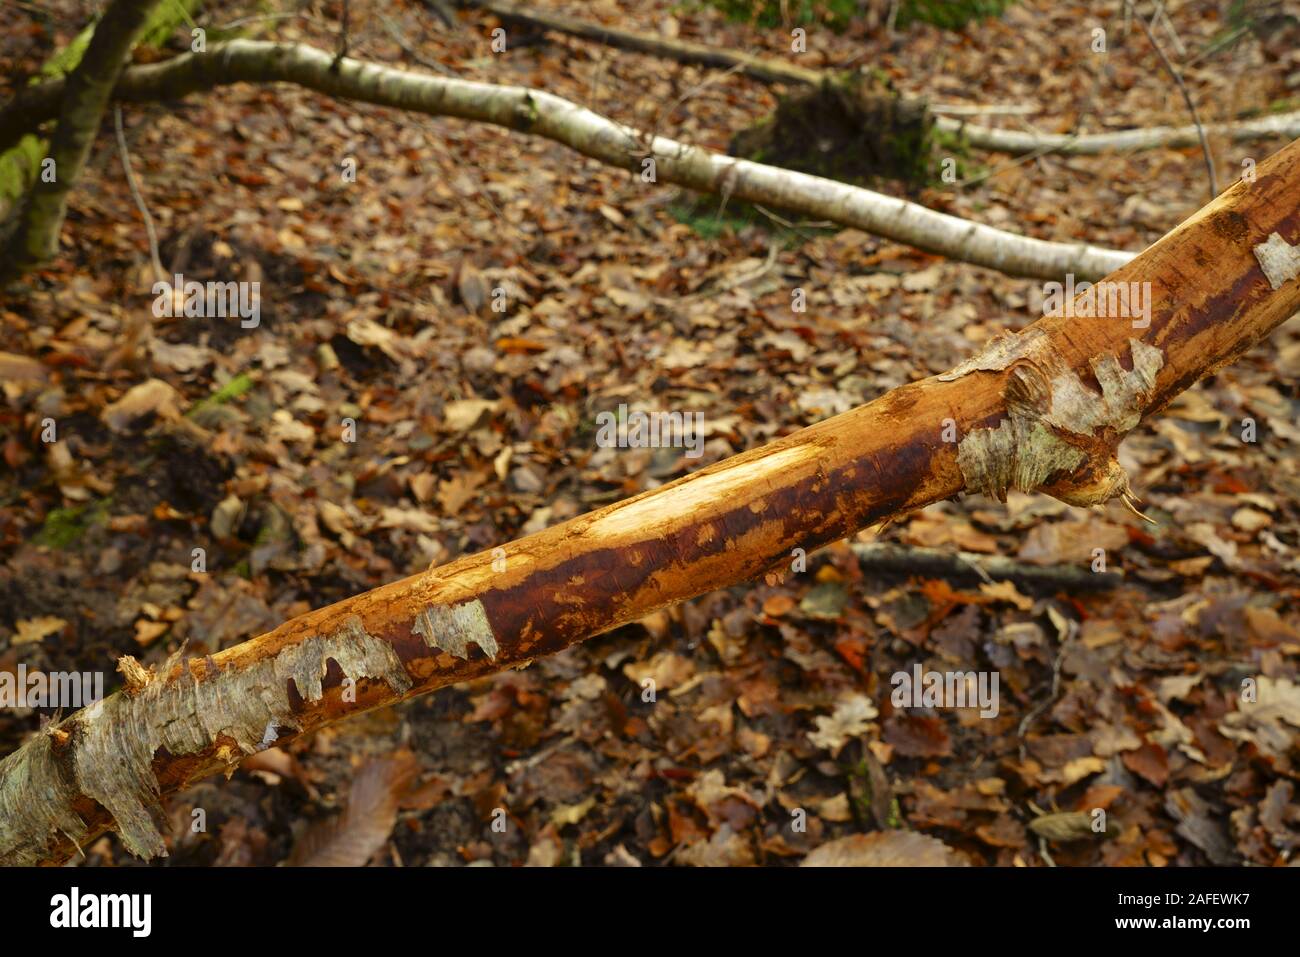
x=1078, y=408
x=1000, y=351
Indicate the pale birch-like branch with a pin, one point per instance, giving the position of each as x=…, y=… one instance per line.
x=544, y=114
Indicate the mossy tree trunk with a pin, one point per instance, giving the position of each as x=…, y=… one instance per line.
x=20, y=164
x=33, y=235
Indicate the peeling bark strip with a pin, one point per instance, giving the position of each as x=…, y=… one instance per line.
x=544, y=114
x=452, y=629
x=727, y=523
x=110, y=748
x=1279, y=260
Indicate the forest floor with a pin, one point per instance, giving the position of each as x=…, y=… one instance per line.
x=475, y=427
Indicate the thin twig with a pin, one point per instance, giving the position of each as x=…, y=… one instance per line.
x=790, y=224
x=1213, y=47
x=729, y=283
x=262, y=17
x=395, y=32
x=1187, y=98
x=1163, y=15
x=341, y=44
x=1027, y=721
x=159, y=273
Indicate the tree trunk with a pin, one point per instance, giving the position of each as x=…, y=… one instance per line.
x=543, y=114
x=87, y=91
x=1040, y=410
x=20, y=164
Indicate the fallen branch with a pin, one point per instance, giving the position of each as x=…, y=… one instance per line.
x=1280, y=125
x=759, y=68
x=890, y=559
x=544, y=114
x=1042, y=410
x=768, y=70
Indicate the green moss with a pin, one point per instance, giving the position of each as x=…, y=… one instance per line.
x=65, y=61
x=18, y=169
x=949, y=14
x=703, y=216
x=706, y=220
x=895, y=814
x=164, y=20
x=953, y=145
x=64, y=527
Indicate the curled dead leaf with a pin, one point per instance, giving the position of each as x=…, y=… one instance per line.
x=885, y=849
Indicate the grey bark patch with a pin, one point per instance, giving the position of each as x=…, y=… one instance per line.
x=1019, y=454
x=114, y=742
x=1078, y=408
x=451, y=629
x=1047, y=401
x=1279, y=260
x=33, y=777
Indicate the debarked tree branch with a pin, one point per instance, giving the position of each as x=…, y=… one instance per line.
x=1043, y=410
